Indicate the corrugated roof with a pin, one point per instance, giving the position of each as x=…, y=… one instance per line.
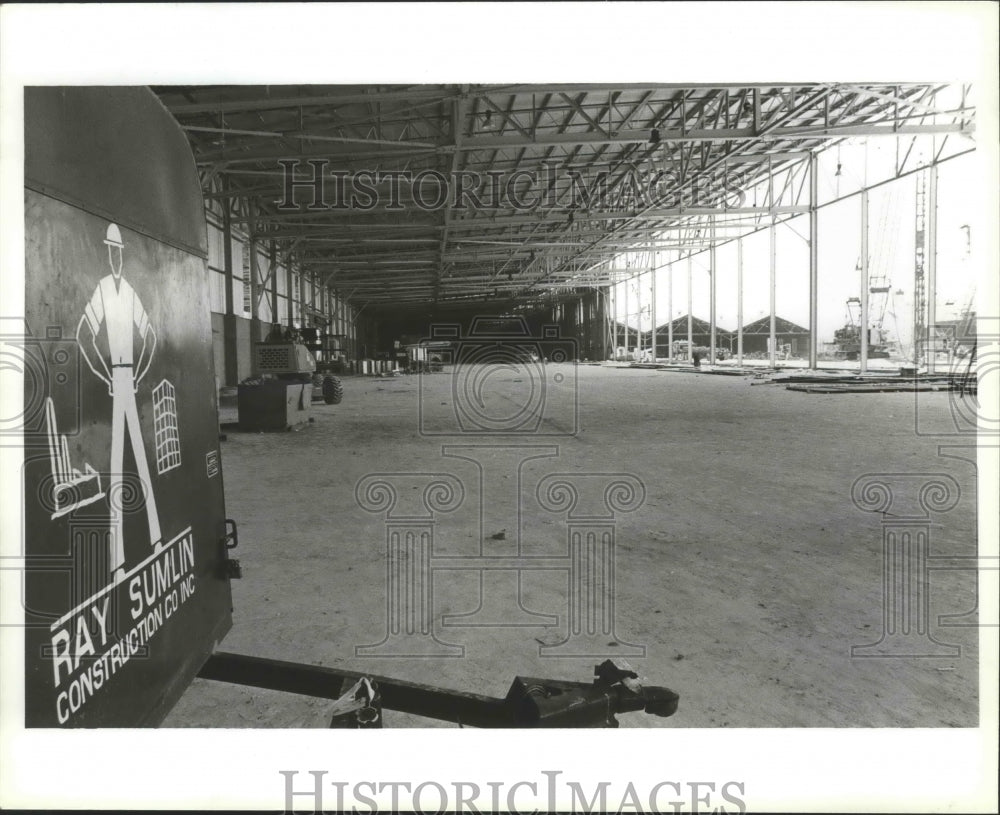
x=781, y=326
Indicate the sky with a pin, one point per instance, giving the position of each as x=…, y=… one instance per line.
x=892, y=214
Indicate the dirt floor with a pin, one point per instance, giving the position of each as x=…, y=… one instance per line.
x=742, y=581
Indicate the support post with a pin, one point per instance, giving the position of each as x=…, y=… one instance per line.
x=614, y=319
x=273, y=262
x=254, y=272
x=670, y=312
x=690, y=306
x=739, y=302
x=863, y=318
x=711, y=293
x=638, y=315
x=230, y=351
x=813, y=262
x=773, y=340
x=602, y=299
x=652, y=302
x=930, y=347
x=625, y=320
x=290, y=290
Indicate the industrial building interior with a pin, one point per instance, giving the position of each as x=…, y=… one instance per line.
x=671, y=351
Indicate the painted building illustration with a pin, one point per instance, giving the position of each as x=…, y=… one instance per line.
x=168, y=440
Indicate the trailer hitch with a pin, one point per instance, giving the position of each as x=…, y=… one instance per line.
x=230, y=568
x=530, y=702
x=615, y=689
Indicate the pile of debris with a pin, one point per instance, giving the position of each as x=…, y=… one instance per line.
x=907, y=380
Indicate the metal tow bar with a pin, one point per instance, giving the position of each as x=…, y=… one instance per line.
x=530, y=702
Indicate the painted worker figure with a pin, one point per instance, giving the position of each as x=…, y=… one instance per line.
x=116, y=306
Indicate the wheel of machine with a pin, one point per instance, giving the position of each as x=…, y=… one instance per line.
x=333, y=390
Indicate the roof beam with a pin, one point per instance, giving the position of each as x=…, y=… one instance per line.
x=233, y=106
x=788, y=133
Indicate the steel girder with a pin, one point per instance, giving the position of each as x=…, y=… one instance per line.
x=607, y=169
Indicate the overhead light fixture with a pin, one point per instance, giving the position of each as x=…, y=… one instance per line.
x=488, y=120
x=654, y=136
x=838, y=169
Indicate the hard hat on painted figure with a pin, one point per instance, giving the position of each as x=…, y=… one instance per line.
x=114, y=236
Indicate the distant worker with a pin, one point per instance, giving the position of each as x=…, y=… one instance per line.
x=117, y=307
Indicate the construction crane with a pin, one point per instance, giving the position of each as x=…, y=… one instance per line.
x=848, y=339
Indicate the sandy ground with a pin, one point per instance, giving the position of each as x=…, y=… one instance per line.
x=747, y=574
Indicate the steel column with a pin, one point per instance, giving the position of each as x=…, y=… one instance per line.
x=690, y=306
x=254, y=284
x=638, y=314
x=290, y=291
x=670, y=312
x=863, y=318
x=774, y=289
x=229, y=345
x=813, y=262
x=930, y=348
x=273, y=262
x=652, y=302
x=711, y=294
x=614, y=320
x=739, y=301
x=625, y=321
x=602, y=312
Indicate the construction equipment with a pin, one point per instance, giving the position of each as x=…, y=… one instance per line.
x=286, y=355
x=848, y=338
x=285, y=383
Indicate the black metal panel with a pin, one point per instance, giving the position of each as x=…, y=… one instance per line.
x=118, y=153
x=123, y=500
